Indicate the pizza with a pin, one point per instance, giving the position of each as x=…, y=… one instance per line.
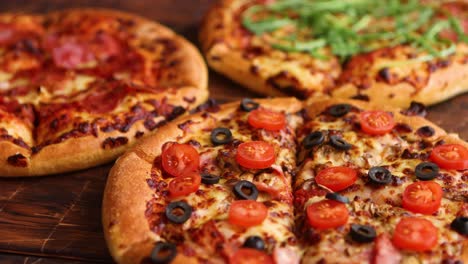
x=387, y=52
x=78, y=87
x=284, y=181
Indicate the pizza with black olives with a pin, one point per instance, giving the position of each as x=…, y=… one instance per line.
x=286, y=182
x=388, y=51
x=78, y=87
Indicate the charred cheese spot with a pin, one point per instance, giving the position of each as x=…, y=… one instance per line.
x=18, y=160
x=110, y=143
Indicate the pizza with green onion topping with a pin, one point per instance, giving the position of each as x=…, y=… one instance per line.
x=285, y=182
x=390, y=51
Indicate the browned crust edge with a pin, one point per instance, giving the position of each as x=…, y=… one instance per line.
x=85, y=152
x=126, y=194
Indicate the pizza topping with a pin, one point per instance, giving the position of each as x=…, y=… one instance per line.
x=339, y=110
x=385, y=252
x=184, y=185
x=460, y=225
x=179, y=159
x=250, y=256
x=425, y=131
x=266, y=119
x=336, y=178
x=376, y=122
x=254, y=242
x=450, y=156
x=71, y=55
x=221, y=136
x=163, y=253
x=248, y=105
x=337, y=197
x=313, y=139
x=255, y=155
x=416, y=234
x=339, y=143
x=380, y=175
x=245, y=190
x=327, y=214
x=362, y=233
x=208, y=179
x=247, y=213
x=178, y=212
x=426, y=171
x=422, y=197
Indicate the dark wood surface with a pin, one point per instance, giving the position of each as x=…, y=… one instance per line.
x=56, y=219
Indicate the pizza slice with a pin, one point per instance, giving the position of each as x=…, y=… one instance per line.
x=390, y=52
x=212, y=187
x=379, y=185
x=78, y=87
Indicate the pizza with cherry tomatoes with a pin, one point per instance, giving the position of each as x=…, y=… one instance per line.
x=287, y=182
x=78, y=87
x=391, y=52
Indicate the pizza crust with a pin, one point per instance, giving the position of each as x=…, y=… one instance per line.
x=83, y=152
x=127, y=193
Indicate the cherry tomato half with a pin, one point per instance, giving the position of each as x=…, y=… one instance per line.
x=376, y=122
x=266, y=119
x=255, y=155
x=247, y=213
x=327, y=214
x=336, y=178
x=184, y=185
x=450, y=156
x=422, y=197
x=415, y=234
x=250, y=256
x=179, y=159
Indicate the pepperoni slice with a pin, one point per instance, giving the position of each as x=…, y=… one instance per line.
x=104, y=100
x=71, y=55
x=7, y=33
x=105, y=46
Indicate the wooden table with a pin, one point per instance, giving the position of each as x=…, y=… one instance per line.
x=56, y=219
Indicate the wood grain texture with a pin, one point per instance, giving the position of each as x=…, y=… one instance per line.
x=56, y=219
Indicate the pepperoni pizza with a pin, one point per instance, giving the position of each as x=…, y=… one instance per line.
x=279, y=181
x=78, y=87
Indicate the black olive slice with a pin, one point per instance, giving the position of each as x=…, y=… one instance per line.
x=163, y=253
x=337, y=197
x=426, y=171
x=248, y=105
x=313, y=139
x=173, y=212
x=339, y=143
x=254, y=242
x=220, y=136
x=209, y=179
x=339, y=110
x=246, y=190
x=460, y=225
x=362, y=233
x=380, y=175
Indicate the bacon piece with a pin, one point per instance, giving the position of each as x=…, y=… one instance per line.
x=384, y=251
x=285, y=256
